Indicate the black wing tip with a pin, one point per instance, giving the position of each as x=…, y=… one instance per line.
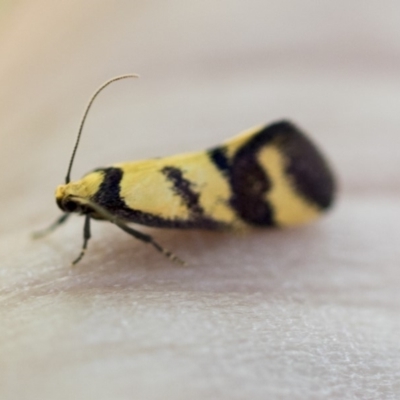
x=307, y=165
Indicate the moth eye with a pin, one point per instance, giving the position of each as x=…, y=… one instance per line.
x=70, y=206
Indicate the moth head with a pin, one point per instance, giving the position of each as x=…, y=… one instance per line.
x=71, y=197
x=67, y=199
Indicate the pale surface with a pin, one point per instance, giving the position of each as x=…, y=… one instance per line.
x=307, y=313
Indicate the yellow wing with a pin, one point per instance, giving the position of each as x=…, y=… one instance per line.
x=267, y=176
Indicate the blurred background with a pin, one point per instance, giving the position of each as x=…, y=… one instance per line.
x=209, y=69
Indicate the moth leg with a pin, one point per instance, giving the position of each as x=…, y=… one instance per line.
x=86, y=237
x=52, y=227
x=133, y=232
x=149, y=239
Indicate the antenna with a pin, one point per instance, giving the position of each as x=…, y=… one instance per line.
x=117, y=78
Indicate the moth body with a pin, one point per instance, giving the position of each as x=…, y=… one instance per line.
x=267, y=176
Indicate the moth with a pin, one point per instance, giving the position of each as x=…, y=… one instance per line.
x=270, y=175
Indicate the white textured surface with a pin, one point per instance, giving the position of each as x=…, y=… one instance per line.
x=307, y=313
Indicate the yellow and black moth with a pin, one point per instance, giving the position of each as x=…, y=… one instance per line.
x=267, y=176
